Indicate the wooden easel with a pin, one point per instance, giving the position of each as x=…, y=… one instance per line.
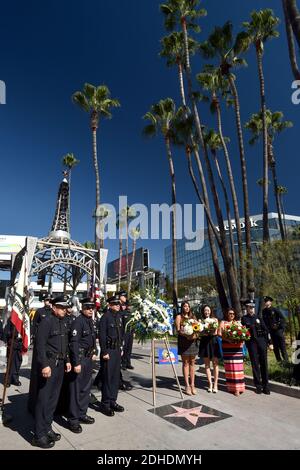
x=152, y=359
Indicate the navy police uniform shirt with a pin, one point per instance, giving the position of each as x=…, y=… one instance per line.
x=274, y=319
x=256, y=326
x=111, y=330
x=82, y=339
x=51, y=341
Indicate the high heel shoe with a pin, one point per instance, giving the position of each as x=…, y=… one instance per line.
x=237, y=393
x=194, y=392
x=210, y=389
x=215, y=389
x=188, y=391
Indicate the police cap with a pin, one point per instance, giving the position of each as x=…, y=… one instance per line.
x=122, y=293
x=87, y=302
x=268, y=298
x=114, y=300
x=47, y=297
x=61, y=300
x=250, y=303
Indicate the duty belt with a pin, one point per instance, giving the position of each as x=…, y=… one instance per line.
x=86, y=352
x=112, y=343
x=57, y=357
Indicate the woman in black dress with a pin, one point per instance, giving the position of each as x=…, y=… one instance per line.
x=187, y=348
x=209, y=350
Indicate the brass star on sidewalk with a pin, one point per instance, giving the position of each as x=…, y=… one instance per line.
x=191, y=414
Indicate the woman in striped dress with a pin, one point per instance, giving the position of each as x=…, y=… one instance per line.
x=233, y=357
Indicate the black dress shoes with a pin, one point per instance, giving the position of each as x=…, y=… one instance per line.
x=87, y=420
x=17, y=383
x=76, y=428
x=43, y=442
x=54, y=436
x=130, y=367
x=117, y=408
x=123, y=367
x=106, y=411
x=125, y=386
x=258, y=390
x=266, y=391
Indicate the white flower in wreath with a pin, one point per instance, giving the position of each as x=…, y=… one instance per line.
x=257, y=320
x=234, y=333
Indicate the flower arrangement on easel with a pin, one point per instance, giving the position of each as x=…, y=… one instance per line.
x=150, y=318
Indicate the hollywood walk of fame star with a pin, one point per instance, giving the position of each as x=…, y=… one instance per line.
x=191, y=414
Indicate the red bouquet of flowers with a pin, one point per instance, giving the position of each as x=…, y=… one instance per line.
x=235, y=332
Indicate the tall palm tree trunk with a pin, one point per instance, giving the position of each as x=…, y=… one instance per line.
x=173, y=223
x=232, y=284
x=275, y=185
x=290, y=39
x=228, y=263
x=243, y=286
x=266, y=235
x=231, y=237
x=249, y=261
x=282, y=211
x=181, y=83
x=94, y=125
x=214, y=254
x=204, y=200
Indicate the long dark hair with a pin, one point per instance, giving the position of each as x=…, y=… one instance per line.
x=212, y=315
x=227, y=312
x=190, y=314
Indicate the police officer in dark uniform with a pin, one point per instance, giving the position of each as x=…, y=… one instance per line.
x=257, y=347
x=64, y=397
x=16, y=359
x=82, y=350
x=51, y=361
x=111, y=339
x=128, y=335
x=275, y=322
x=41, y=313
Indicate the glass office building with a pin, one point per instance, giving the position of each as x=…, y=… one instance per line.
x=195, y=268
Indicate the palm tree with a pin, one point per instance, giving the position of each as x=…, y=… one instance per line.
x=135, y=234
x=282, y=191
x=222, y=44
x=173, y=50
x=212, y=81
x=213, y=141
x=259, y=30
x=162, y=117
x=275, y=125
x=96, y=101
x=292, y=26
x=184, y=13
x=184, y=127
x=70, y=161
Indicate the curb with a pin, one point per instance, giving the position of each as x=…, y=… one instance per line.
x=276, y=387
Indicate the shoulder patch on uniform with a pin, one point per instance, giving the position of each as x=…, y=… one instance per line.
x=74, y=332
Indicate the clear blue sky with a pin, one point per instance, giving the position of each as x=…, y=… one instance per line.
x=49, y=49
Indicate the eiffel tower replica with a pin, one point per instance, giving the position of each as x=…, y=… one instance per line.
x=57, y=255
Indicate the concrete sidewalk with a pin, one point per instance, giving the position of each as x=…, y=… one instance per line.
x=254, y=422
